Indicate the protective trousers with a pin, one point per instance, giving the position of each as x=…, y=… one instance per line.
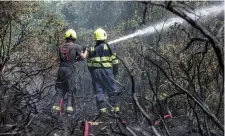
x=102, y=80
x=65, y=85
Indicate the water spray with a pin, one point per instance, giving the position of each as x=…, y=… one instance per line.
x=203, y=12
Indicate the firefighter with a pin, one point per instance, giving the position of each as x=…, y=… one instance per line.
x=69, y=53
x=103, y=66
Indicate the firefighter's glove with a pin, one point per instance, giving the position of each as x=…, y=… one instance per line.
x=85, y=48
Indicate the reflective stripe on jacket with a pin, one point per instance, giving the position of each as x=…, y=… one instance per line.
x=101, y=56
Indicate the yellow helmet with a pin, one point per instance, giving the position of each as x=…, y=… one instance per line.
x=70, y=34
x=100, y=34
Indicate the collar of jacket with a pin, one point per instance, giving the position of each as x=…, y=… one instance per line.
x=99, y=43
x=69, y=40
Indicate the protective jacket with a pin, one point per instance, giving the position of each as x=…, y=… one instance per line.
x=102, y=56
x=68, y=53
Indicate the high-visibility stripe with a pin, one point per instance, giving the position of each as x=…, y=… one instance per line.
x=69, y=108
x=105, y=61
x=106, y=65
x=55, y=108
x=105, y=47
x=103, y=110
x=107, y=58
x=98, y=59
x=115, y=61
x=113, y=57
x=92, y=49
x=115, y=109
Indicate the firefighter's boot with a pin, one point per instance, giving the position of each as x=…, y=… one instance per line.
x=55, y=110
x=69, y=110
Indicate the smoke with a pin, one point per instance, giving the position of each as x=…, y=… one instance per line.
x=202, y=12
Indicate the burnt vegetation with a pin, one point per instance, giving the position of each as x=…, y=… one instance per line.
x=180, y=69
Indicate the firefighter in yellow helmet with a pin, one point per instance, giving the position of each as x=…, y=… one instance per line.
x=69, y=53
x=103, y=66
